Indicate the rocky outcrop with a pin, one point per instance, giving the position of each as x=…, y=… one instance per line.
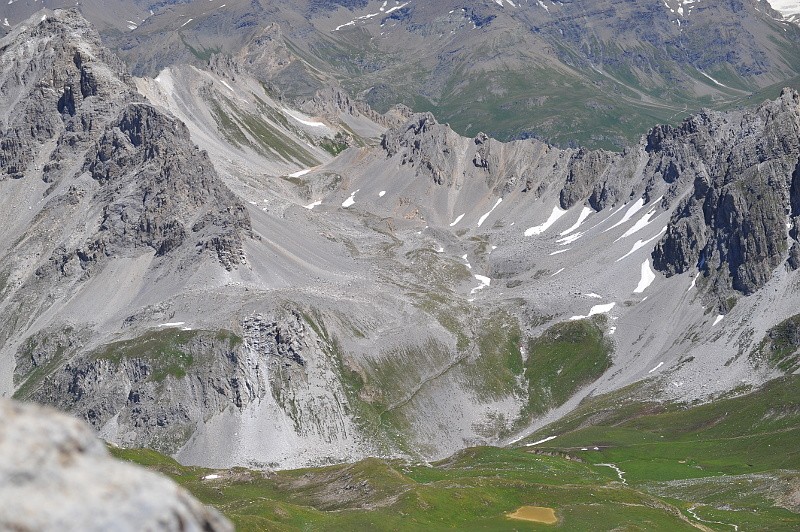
x=159, y=190
x=332, y=101
x=583, y=170
x=54, y=87
x=302, y=369
x=56, y=475
x=155, y=389
x=266, y=54
x=70, y=107
x=733, y=175
x=267, y=57
x=600, y=177
x=733, y=223
x=425, y=144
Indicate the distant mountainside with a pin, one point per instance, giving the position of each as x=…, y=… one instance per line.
x=597, y=74
x=191, y=263
x=790, y=9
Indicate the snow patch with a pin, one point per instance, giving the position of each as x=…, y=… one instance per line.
x=351, y=200
x=655, y=368
x=717, y=320
x=302, y=120
x=485, y=282
x=597, y=309
x=712, y=79
x=371, y=15
x=483, y=218
x=541, y=228
x=549, y=438
x=636, y=207
x=640, y=244
x=382, y=193
x=694, y=282
x=647, y=278
x=569, y=239
x=172, y=324
x=300, y=173
x=560, y=251
x=581, y=218
x=458, y=219
x=312, y=205
x=211, y=477
x=640, y=224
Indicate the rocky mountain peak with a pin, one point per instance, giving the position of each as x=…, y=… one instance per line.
x=56, y=77
x=733, y=223
x=425, y=144
x=104, y=177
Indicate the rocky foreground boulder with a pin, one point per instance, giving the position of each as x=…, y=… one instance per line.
x=55, y=474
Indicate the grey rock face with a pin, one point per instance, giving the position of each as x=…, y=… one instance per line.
x=300, y=371
x=600, y=177
x=157, y=387
x=331, y=101
x=733, y=224
x=56, y=475
x=266, y=53
x=176, y=194
x=429, y=146
x=74, y=108
x=735, y=175
x=53, y=87
x=584, y=167
x=435, y=150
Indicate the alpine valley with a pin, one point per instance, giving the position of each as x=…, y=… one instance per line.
x=414, y=265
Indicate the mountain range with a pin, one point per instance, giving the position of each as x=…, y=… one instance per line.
x=597, y=75
x=255, y=248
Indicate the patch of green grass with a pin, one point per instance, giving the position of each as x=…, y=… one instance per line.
x=747, y=434
x=733, y=461
x=448, y=313
x=780, y=347
x=233, y=340
x=165, y=350
x=228, y=127
x=366, y=399
x=246, y=129
x=203, y=54
x=336, y=145
x=272, y=139
x=564, y=359
x=495, y=372
x=35, y=378
x=42, y=353
x=473, y=490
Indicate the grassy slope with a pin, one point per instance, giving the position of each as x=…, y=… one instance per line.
x=472, y=490
x=566, y=357
x=748, y=445
x=735, y=461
